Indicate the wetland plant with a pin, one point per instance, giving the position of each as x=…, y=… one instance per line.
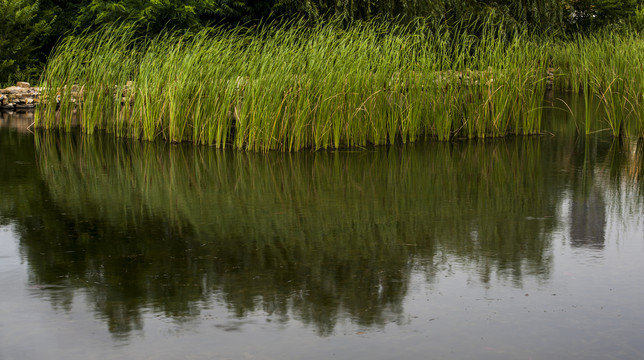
x=606, y=69
x=294, y=86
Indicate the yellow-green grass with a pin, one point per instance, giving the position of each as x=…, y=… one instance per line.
x=607, y=68
x=294, y=86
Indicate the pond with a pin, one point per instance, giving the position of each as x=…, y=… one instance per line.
x=515, y=248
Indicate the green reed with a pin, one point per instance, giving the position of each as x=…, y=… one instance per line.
x=293, y=86
x=606, y=68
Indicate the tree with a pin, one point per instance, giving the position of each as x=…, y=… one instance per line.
x=585, y=14
x=357, y=9
x=19, y=30
x=60, y=15
x=152, y=16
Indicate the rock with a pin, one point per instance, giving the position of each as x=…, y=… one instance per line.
x=20, y=97
x=11, y=90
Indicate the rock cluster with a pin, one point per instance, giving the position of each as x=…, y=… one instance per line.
x=19, y=97
x=24, y=97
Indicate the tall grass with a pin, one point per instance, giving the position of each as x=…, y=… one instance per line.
x=606, y=68
x=294, y=86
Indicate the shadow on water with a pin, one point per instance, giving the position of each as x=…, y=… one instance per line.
x=320, y=237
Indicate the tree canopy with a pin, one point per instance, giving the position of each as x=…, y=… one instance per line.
x=19, y=29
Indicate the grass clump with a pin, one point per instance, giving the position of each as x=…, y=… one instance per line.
x=606, y=68
x=296, y=86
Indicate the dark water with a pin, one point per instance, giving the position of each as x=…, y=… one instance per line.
x=528, y=248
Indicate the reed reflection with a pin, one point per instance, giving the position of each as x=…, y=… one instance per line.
x=316, y=237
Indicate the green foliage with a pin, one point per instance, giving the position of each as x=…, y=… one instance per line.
x=585, y=14
x=19, y=30
x=297, y=86
x=29, y=29
x=358, y=9
x=637, y=20
x=152, y=16
x=606, y=68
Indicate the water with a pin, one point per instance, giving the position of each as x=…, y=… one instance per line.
x=519, y=248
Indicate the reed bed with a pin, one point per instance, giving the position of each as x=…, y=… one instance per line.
x=606, y=68
x=296, y=86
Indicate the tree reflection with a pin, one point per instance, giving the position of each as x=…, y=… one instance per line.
x=588, y=209
x=314, y=236
x=600, y=169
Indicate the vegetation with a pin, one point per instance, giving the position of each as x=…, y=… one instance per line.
x=295, y=86
x=32, y=28
x=19, y=30
x=327, y=74
x=606, y=69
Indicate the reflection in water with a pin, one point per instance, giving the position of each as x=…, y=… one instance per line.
x=20, y=121
x=588, y=210
x=316, y=236
x=604, y=169
x=319, y=237
x=588, y=220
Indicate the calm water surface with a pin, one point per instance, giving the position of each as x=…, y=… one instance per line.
x=527, y=248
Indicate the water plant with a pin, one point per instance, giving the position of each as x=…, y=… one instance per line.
x=605, y=67
x=297, y=85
